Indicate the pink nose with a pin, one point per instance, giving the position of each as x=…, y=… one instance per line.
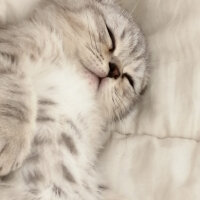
x=114, y=71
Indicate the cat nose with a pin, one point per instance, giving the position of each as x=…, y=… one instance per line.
x=114, y=71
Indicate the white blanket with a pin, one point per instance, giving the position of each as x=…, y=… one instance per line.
x=160, y=160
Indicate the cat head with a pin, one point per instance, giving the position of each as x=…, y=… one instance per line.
x=112, y=49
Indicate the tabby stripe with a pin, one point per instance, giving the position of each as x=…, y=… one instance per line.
x=45, y=119
x=2, y=150
x=41, y=141
x=16, y=92
x=10, y=57
x=140, y=56
x=57, y=190
x=34, y=191
x=67, y=175
x=34, y=177
x=68, y=141
x=19, y=111
x=123, y=34
x=73, y=126
x=134, y=49
x=6, y=71
x=8, y=177
x=46, y=102
x=33, y=158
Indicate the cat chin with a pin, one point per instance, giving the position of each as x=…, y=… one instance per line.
x=103, y=83
x=93, y=81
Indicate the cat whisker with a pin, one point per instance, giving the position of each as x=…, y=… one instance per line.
x=92, y=38
x=94, y=53
x=120, y=103
x=89, y=31
x=95, y=42
x=94, y=46
x=135, y=7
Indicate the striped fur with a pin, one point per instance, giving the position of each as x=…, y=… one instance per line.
x=58, y=95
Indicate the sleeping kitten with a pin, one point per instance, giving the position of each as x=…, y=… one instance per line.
x=66, y=73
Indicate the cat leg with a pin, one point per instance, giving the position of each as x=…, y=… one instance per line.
x=17, y=116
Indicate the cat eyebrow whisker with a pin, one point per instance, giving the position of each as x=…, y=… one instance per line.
x=92, y=37
x=95, y=42
x=94, y=46
x=95, y=54
x=97, y=49
x=89, y=31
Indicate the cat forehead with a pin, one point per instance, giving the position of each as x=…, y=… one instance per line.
x=109, y=12
x=98, y=16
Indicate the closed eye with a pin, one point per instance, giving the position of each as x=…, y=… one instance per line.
x=112, y=37
x=130, y=79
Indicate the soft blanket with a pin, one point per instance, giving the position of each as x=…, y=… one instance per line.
x=157, y=156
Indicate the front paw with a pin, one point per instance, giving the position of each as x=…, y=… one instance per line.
x=13, y=152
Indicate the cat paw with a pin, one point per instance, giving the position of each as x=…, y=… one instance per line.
x=12, y=154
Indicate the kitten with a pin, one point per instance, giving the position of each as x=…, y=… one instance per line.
x=66, y=72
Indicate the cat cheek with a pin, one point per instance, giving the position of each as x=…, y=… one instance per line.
x=93, y=82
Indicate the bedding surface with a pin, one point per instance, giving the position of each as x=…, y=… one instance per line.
x=156, y=153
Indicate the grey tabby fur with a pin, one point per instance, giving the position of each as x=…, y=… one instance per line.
x=66, y=72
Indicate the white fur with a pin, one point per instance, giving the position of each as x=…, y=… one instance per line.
x=44, y=44
x=62, y=82
x=52, y=71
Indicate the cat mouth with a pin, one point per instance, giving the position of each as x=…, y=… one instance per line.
x=93, y=78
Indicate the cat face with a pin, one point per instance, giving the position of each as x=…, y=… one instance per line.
x=112, y=51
